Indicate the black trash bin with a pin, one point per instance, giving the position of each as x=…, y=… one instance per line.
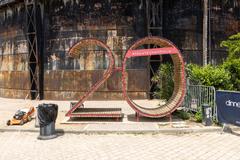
x=206, y=115
x=47, y=115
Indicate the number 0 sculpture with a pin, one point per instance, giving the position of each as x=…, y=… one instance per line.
x=167, y=47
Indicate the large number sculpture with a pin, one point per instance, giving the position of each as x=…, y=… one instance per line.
x=162, y=47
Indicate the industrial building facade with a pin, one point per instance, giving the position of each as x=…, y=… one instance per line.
x=36, y=35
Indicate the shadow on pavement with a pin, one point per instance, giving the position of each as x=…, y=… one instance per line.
x=60, y=132
x=133, y=118
x=236, y=134
x=228, y=129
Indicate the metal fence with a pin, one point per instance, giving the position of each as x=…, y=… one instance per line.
x=197, y=95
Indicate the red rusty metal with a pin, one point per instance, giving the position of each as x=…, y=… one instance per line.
x=96, y=115
x=74, y=51
x=168, y=48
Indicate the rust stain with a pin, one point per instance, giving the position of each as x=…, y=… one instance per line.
x=114, y=22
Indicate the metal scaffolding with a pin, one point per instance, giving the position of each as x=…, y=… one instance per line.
x=32, y=41
x=154, y=10
x=154, y=15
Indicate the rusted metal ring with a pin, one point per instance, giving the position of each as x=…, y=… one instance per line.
x=179, y=76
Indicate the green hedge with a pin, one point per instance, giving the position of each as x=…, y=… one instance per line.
x=209, y=75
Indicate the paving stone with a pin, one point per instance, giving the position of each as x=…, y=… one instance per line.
x=211, y=146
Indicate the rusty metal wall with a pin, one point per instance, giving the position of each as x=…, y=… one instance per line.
x=182, y=21
x=70, y=84
x=225, y=21
x=117, y=23
x=14, y=75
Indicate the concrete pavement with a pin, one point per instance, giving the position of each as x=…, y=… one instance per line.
x=94, y=140
x=207, y=146
x=128, y=125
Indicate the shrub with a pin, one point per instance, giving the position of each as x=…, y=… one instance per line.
x=198, y=116
x=233, y=67
x=232, y=64
x=209, y=75
x=225, y=76
x=164, y=81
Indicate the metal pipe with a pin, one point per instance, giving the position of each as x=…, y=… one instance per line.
x=205, y=32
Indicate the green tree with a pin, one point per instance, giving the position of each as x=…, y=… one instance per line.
x=232, y=63
x=233, y=46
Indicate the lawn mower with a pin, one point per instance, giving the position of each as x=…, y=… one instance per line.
x=21, y=116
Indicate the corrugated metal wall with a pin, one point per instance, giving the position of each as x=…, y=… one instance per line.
x=183, y=25
x=14, y=74
x=116, y=22
x=225, y=21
